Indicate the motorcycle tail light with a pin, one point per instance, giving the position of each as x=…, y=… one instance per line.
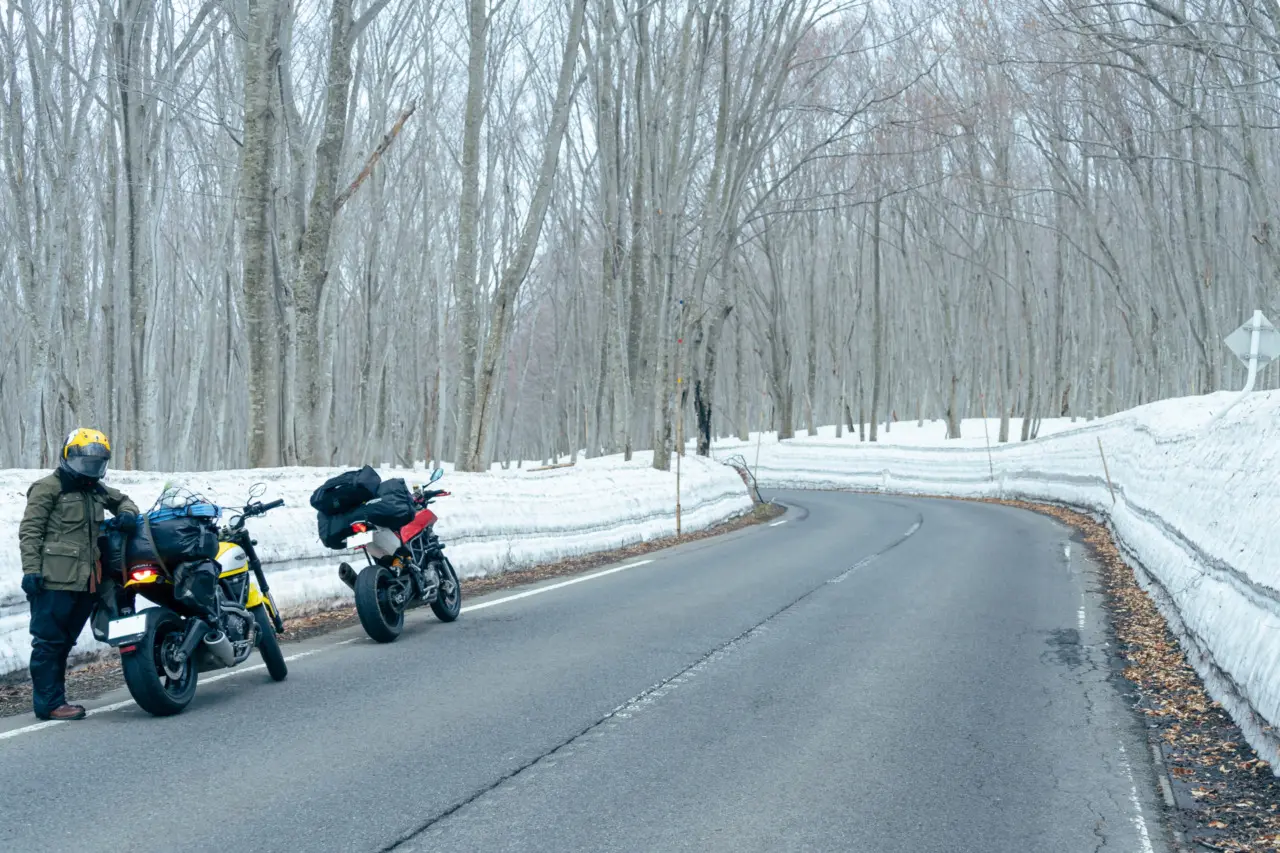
x=142, y=575
x=358, y=527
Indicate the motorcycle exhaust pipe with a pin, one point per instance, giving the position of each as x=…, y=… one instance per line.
x=217, y=644
x=347, y=575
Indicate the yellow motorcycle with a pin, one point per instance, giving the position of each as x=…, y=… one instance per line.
x=164, y=648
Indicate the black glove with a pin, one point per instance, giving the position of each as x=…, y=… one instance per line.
x=33, y=584
x=127, y=522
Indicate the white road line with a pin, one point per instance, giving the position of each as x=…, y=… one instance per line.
x=1081, y=618
x=778, y=523
x=128, y=703
x=868, y=560
x=1139, y=820
x=540, y=590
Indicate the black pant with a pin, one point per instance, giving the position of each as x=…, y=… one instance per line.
x=57, y=618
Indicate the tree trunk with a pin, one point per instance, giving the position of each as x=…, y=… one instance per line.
x=464, y=275
x=518, y=268
x=313, y=265
x=877, y=322
x=256, y=167
x=705, y=383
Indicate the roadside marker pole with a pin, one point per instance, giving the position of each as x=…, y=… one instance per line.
x=986, y=429
x=1256, y=344
x=679, y=417
x=1110, y=487
x=679, y=447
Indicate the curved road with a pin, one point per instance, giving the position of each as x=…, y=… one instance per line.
x=874, y=674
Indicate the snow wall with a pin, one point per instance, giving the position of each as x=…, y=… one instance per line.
x=492, y=522
x=1196, y=509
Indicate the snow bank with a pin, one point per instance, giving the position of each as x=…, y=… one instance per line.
x=1197, y=499
x=492, y=522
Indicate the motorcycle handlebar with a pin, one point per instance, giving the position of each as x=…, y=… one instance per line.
x=260, y=508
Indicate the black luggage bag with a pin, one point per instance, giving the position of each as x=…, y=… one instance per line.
x=179, y=540
x=393, y=508
x=334, y=529
x=346, y=491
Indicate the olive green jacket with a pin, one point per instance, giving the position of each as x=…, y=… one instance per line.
x=58, y=536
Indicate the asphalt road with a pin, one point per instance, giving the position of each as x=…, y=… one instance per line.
x=874, y=674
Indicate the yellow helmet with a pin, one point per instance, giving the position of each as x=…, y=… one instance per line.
x=85, y=453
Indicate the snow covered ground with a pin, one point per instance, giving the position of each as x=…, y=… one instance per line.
x=492, y=522
x=1197, y=506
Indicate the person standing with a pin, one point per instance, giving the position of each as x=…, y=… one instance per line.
x=61, y=566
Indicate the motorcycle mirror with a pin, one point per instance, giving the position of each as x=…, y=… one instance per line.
x=258, y=490
x=436, y=475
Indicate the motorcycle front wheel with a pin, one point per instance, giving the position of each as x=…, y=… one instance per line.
x=448, y=606
x=269, y=645
x=382, y=618
x=159, y=686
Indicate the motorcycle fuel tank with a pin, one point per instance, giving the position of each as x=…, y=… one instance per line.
x=231, y=559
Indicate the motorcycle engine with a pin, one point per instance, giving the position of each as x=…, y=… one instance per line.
x=236, y=626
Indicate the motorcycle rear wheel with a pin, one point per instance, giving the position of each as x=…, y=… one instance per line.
x=447, y=607
x=381, y=618
x=160, y=688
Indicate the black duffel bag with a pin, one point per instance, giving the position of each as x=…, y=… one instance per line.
x=346, y=491
x=122, y=550
x=179, y=540
x=334, y=529
x=393, y=508
x=195, y=584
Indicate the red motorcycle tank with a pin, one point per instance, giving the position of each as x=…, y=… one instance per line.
x=424, y=519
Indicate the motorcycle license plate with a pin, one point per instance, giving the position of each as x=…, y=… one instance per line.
x=127, y=627
x=359, y=540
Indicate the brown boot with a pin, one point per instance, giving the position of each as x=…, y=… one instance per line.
x=67, y=712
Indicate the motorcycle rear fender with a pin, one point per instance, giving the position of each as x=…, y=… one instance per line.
x=385, y=542
x=154, y=616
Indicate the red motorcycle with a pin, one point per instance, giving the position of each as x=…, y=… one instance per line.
x=406, y=568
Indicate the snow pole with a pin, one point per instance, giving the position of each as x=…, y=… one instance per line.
x=986, y=429
x=679, y=448
x=1110, y=487
x=679, y=420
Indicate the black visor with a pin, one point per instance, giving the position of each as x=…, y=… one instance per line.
x=90, y=461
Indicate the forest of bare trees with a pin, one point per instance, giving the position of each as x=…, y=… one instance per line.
x=268, y=232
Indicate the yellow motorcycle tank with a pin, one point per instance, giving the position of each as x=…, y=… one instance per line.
x=232, y=560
